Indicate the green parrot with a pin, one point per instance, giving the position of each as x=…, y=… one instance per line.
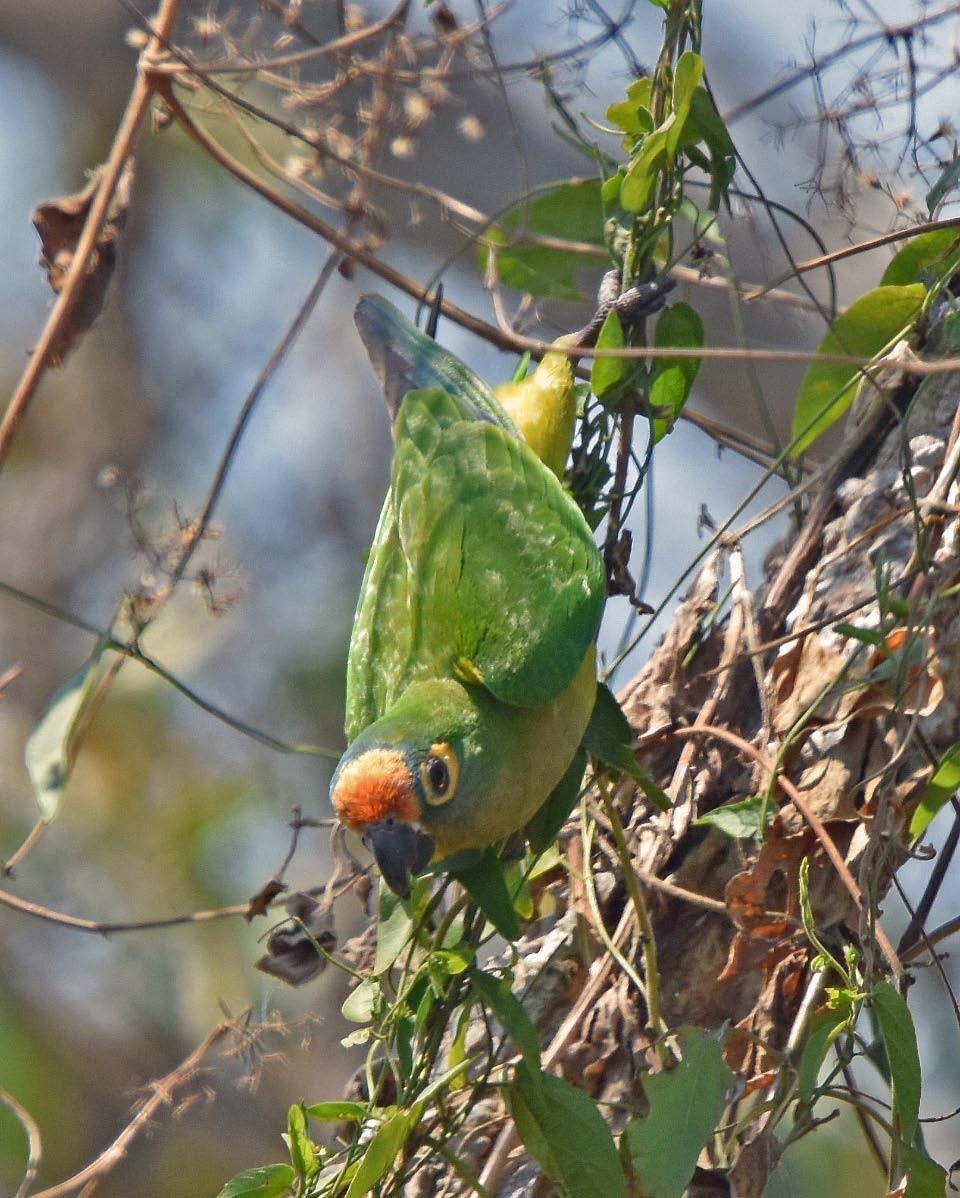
x=471, y=672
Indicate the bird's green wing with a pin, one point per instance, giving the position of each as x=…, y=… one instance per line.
x=408, y=572
x=482, y=565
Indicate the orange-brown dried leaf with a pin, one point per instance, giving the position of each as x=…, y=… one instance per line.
x=60, y=223
x=772, y=1017
x=750, y=894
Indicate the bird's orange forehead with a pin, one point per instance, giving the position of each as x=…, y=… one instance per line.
x=374, y=786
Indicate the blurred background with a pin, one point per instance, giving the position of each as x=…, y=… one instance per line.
x=169, y=810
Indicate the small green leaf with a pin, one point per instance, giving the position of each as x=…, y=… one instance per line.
x=497, y=995
x=939, y=790
x=607, y=372
x=947, y=182
x=925, y=1178
x=633, y=114
x=394, y=928
x=862, y=331
x=564, y=1132
x=686, y=77
x=640, y=181
x=610, y=192
x=361, y=1003
x=678, y=327
x=705, y=125
x=608, y=738
x=934, y=253
x=338, y=1112
x=748, y=817
x=542, y=830
x=900, y=1041
x=685, y=1107
x=303, y=1151
x=47, y=752
x=483, y=881
x=867, y=636
x=451, y=962
x=817, y=1046
x=268, y=1181
x=381, y=1152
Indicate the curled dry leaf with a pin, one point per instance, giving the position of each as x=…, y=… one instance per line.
x=293, y=950
x=60, y=223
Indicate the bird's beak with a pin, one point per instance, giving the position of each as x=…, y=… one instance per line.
x=400, y=849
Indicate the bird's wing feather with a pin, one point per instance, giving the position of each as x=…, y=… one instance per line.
x=481, y=563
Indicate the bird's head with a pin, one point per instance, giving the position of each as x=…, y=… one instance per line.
x=385, y=791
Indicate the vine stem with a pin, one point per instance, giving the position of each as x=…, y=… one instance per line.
x=648, y=942
x=123, y=147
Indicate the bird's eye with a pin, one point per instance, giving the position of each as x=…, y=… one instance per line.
x=439, y=771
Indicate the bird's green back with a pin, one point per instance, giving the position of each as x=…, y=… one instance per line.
x=482, y=567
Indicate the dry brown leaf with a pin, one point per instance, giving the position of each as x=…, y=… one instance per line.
x=800, y=675
x=60, y=223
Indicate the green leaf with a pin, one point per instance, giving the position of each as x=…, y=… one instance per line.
x=267, y=1181
x=939, y=790
x=338, y=1112
x=704, y=124
x=608, y=738
x=303, y=1151
x=633, y=114
x=47, y=752
x=542, y=830
x=925, y=1178
x=947, y=182
x=817, y=1046
x=571, y=211
x=685, y=1107
x=451, y=962
x=497, y=995
x=640, y=181
x=748, y=817
x=564, y=1132
x=483, y=881
x=866, y=636
x=380, y=1154
x=686, y=77
x=867, y=326
x=607, y=372
x=930, y=254
x=900, y=1041
x=678, y=327
x=361, y=1003
x=394, y=929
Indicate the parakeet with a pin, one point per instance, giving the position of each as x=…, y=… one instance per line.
x=471, y=673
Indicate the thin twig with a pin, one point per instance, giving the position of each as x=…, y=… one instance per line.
x=25, y=907
x=162, y=1094
x=34, y=1142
